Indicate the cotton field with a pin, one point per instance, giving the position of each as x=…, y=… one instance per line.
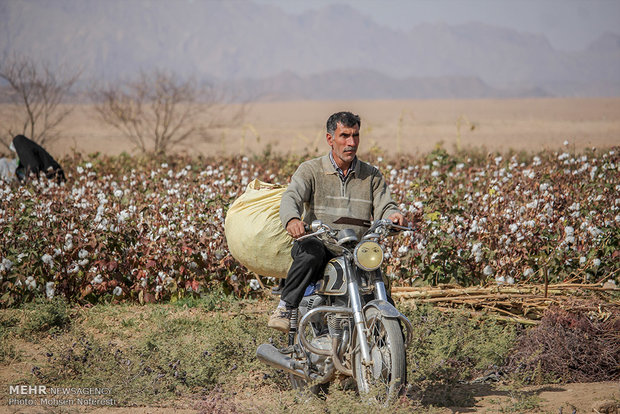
x=124, y=228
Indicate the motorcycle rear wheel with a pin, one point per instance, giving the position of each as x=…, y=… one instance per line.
x=302, y=386
x=384, y=379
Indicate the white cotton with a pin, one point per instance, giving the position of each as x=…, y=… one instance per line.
x=31, y=283
x=6, y=265
x=47, y=259
x=254, y=285
x=49, y=290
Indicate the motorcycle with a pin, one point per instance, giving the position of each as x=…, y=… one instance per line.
x=347, y=327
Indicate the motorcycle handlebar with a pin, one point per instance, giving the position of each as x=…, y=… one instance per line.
x=323, y=228
x=388, y=224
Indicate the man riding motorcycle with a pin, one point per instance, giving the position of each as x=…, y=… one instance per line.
x=326, y=188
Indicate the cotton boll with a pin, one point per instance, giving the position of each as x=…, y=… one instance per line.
x=254, y=285
x=31, y=283
x=47, y=259
x=6, y=265
x=49, y=290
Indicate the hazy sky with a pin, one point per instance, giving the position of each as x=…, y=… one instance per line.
x=568, y=24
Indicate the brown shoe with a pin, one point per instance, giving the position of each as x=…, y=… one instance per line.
x=280, y=319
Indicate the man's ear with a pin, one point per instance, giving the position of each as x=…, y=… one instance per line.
x=330, y=139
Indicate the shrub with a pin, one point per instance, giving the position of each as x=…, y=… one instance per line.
x=569, y=346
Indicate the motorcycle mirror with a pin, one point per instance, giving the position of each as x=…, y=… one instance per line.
x=353, y=221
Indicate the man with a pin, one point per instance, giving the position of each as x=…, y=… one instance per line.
x=327, y=188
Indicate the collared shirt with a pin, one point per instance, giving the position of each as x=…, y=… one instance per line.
x=316, y=192
x=339, y=170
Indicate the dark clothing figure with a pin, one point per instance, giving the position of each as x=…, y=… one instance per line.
x=311, y=257
x=33, y=158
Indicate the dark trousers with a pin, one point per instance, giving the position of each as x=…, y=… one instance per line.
x=309, y=259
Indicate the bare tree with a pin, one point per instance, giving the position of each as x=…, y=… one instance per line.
x=33, y=99
x=157, y=110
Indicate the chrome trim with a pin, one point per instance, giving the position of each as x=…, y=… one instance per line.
x=389, y=311
x=358, y=316
x=381, y=292
x=301, y=338
x=271, y=356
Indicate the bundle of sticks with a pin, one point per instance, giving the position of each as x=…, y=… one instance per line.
x=517, y=303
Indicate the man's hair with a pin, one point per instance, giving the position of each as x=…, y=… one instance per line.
x=347, y=119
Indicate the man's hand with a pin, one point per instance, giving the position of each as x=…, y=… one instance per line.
x=397, y=218
x=295, y=228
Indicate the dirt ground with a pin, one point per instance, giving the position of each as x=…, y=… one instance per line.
x=396, y=127
x=574, y=398
x=560, y=398
x=598, y=397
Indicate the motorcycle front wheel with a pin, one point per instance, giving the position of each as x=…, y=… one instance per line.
x=385, y=377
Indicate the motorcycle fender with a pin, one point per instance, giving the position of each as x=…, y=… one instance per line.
x=389, y=311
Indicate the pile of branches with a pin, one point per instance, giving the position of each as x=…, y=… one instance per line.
x=577, y=332
x=525, y=304
x=569, y=346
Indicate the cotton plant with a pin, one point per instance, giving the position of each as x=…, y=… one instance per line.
x=116, y=227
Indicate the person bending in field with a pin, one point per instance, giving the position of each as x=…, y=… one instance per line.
x=335, y=185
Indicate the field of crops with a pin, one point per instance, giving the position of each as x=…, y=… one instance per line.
x=143, y=229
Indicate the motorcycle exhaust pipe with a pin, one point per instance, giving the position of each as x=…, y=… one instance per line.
x=271, y=356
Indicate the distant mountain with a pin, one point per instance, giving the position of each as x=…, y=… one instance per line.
x=262, y=51
x=366, y=84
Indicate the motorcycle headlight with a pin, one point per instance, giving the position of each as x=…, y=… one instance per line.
x=368, y=255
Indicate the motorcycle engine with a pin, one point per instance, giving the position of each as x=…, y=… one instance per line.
x=310, y=302
x=321, y=342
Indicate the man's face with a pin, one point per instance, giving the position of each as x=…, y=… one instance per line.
x=344, y=143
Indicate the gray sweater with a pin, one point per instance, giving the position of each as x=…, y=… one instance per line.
x=316, y=192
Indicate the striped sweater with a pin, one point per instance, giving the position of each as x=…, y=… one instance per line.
x=316, y=192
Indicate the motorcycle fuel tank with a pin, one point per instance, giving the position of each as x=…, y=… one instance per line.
x=334, y=279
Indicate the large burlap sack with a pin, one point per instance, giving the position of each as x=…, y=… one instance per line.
x=254, y=233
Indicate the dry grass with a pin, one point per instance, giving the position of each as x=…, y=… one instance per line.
x=408, y=126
